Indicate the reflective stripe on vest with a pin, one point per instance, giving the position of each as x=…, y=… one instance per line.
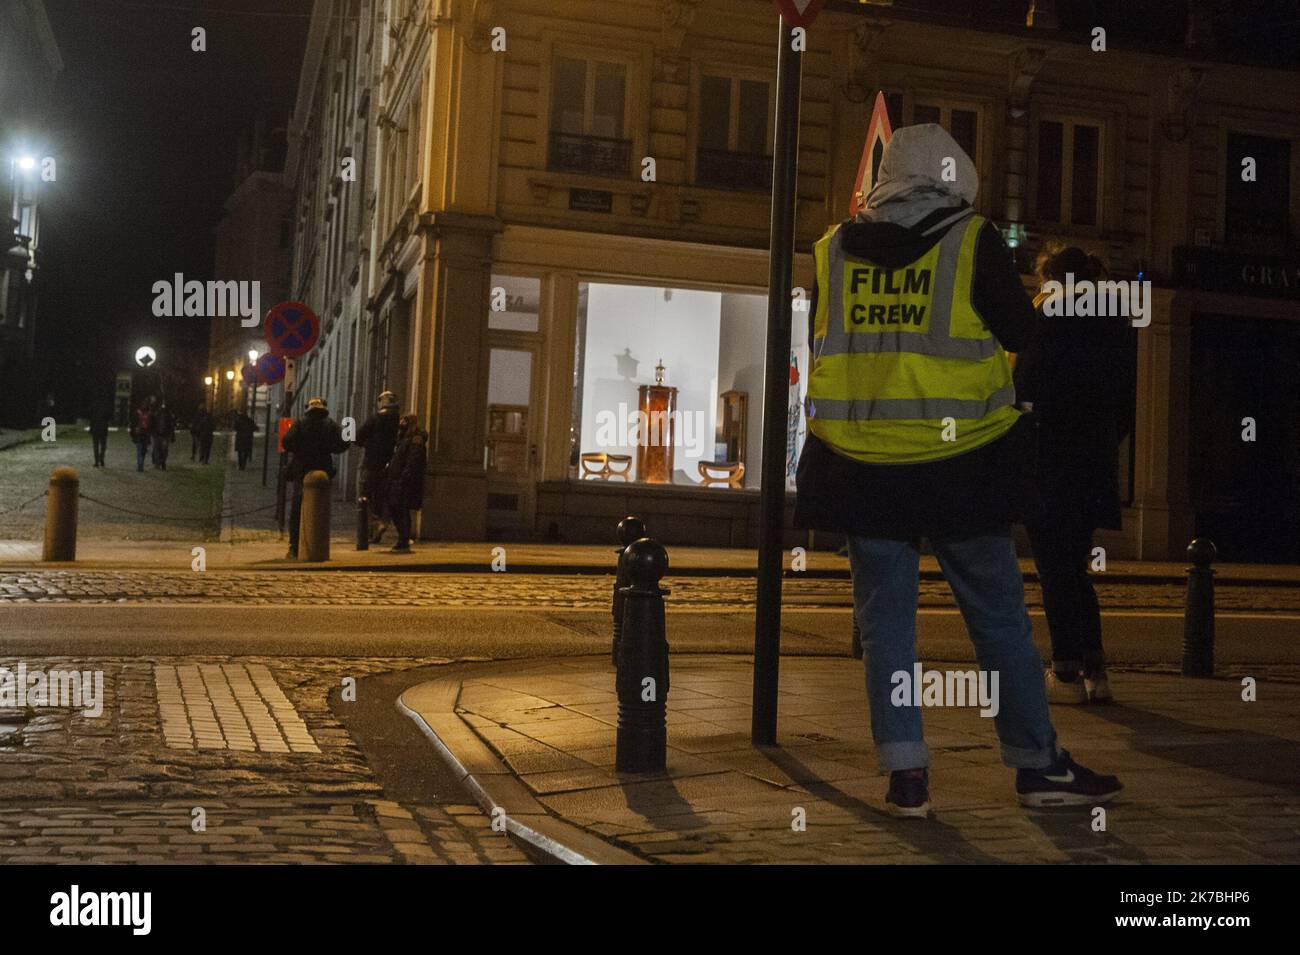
x=902, y=409
x=904, y=368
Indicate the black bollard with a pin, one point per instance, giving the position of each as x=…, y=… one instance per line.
x=629, y=529
x=1198, y=615
x=363, y=523
x=642, y=678
x=856, y=649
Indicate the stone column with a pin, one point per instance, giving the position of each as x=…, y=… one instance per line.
x=450, y=371
x=1161, y=486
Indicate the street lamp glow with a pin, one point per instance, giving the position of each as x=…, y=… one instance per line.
x=230, y=376
x=207, y=380
x=26, y=163
x=145, y=356
x=252, y=354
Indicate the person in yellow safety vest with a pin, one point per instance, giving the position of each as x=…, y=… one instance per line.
x=913, y=432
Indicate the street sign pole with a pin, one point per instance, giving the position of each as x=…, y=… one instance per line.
x=776, y=392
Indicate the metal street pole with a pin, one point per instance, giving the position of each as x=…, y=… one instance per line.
x=776, y=392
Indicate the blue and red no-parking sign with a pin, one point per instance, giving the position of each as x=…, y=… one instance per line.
x=291, y=329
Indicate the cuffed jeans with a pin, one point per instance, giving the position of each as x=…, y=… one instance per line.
x=986, y=581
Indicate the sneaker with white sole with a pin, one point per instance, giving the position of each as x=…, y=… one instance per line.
x=1065, y=783
x=909, y=793
x=1097, y=687
x=1068, y=692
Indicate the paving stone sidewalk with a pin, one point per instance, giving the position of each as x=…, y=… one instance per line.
x=1209, y=778
x=124, y=786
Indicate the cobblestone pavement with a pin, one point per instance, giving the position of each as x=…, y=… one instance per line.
x=578, y=591
x=81, y=788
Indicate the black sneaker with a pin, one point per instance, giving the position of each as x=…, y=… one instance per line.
x=1064, y=783
x=909, y=793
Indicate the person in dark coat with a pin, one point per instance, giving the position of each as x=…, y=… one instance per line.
x=378, y=438
x=141, y=432
x=245, y=428
x=203, y=428
x=1078, y=379
x=405, y=480
x=163, y=433
x=311, y=441
x=99, y=419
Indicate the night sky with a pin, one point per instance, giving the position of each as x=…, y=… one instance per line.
x=146, y=135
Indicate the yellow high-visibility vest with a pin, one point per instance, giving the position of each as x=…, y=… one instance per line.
x=904, y=369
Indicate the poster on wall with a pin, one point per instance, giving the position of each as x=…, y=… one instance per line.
x=794, y=422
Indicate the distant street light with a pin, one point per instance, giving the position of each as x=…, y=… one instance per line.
x=145, y=356
x=207, y=380
x=252, y=354
x=230, y=376
x=26, y=163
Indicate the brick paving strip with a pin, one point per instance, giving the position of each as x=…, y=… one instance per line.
x=1209, y=777
x=252, y=742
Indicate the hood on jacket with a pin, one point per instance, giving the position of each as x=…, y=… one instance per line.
x=315, y=414
x=917, y=159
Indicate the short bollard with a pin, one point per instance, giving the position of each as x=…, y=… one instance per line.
x=61, y=516
x=856, y=649
x=1198, y=616
x=642, y=679
x=314, y=528
x=363, y=523
x=629, y=529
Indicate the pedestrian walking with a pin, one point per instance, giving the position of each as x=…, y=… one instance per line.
x=405, y=479
x=378, y=438
x=913, y=434
x=311, y=441
x=202, y=430
x=100, y=415
x=245, y=428
x=1078, y=380
x=163, y=434
x=141, y=433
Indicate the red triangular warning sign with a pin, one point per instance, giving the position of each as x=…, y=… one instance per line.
x=800, y=13
x=878, y=133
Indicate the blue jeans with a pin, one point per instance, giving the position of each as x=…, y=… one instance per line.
x=986, y=581
x=141, y=449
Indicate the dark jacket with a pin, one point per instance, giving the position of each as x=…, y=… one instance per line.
x=1080, y=377
x=983, y=490
x=378, y=436
x=245, y=428
x=312, y=440
x=405, y=474
x=164, y=425
x=100, y=418
x=203, y=426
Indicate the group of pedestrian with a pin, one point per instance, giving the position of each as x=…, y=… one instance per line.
x=918, y=430
x=392, y=466
x=153, y=429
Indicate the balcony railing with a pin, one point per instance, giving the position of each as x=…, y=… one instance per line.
x=593, y=155
x=730, y=170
